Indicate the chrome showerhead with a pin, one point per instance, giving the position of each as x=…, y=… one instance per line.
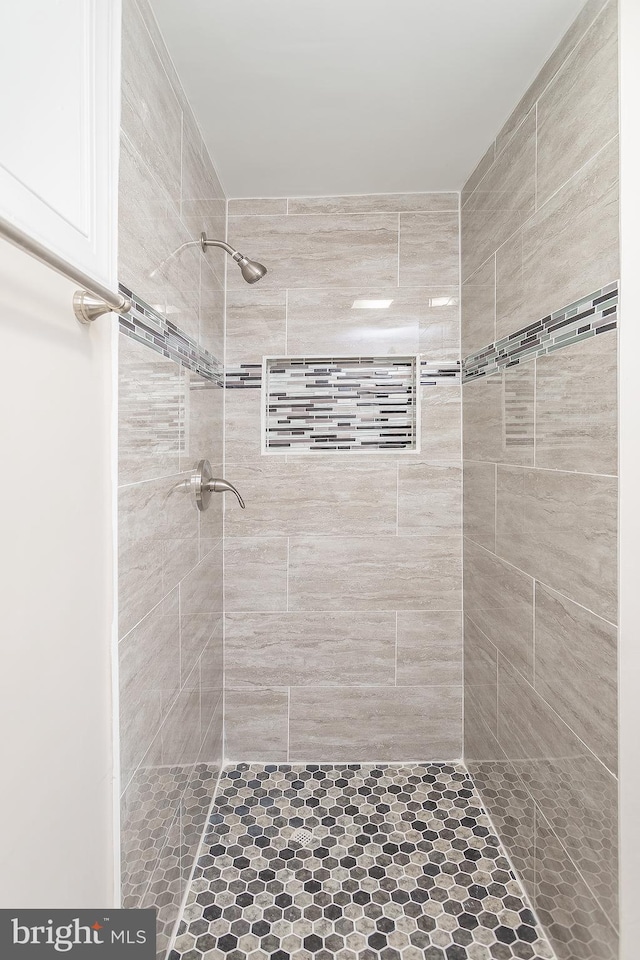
x=251, y=270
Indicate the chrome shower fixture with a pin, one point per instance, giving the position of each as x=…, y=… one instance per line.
x=251, y=270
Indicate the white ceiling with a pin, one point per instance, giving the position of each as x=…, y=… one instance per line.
x=326, y=97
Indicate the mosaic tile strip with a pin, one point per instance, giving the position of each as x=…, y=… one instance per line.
x=149, y=327
x=585, y=318
x=358, y=862
x=249, y=375
x=340, y=403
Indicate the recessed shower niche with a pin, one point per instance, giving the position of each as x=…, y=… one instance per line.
x=351, y=404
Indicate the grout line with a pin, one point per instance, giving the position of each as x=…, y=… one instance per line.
x=287, y=575
x=288, y=723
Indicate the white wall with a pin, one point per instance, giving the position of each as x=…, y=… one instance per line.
x=56, y=598
x=630, y=481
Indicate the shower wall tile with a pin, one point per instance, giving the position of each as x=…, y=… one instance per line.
x=429, y=499
x=287, y=499
x=320, y=250
x=260, y=206
x=577, y=29
x=181, y=733
x=324, y=322
x=561, y=528
x=570, y=246
x=300, y=649
x=479, y=503
x=170, y=568
x=576, y=668
x=398, y=723
x=479, y=308
x=144, y=81
x=255, y=573
x=374, y=573
x=554, y=518
x=242, y=425
x=440, y=425
x=151, y=391
x=376, y=203
x=498, y=416
x=503, y=201
x=481, y=667
x=499, y=600
x=256, y=324
x=585, y=86
x=483, y=166
x=577, y=407
x=429, y=648
x=343, y=575
x=211, y=311
x=149, y=658
x=257, y=724
x=428, y=249
x=569, y=785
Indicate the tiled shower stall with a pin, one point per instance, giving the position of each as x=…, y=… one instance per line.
x=312, y=644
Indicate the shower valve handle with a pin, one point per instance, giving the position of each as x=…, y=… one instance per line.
x=204, y=484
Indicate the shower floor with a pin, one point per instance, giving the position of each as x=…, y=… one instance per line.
x=396, y=862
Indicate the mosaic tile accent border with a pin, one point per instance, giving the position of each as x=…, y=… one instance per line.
x=340, y=403
x=355, y=862
x=150, y=328
x=249, y=375
x=585, y=318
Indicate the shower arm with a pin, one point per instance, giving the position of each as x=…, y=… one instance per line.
x=205, y=242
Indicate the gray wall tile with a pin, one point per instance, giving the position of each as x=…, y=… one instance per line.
x=256, y=724
x=429, y=249
x=577, y=407
x=255, y=573
x=578, y=112
x=479, y=308
x=300, y=649
x=499, y=600
x=342, y=249
x=396, y=723
x=569, y=785
x=561, y=528
x=576, y=670
x=376, y=203
x=481, y=676
x=429, y=651
x=429, y=499
x=374, y=573
x=479, y=503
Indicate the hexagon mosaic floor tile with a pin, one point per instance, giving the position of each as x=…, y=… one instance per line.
x=354, y=862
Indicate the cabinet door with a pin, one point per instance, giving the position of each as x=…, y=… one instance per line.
x=59, y=117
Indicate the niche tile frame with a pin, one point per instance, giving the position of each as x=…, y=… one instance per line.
x=293, y=427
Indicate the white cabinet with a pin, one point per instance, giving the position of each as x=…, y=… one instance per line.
x=59, y=120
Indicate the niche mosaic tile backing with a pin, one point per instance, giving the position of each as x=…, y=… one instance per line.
x=402, y=864
x=149, y=327
x=585, y=318
x=340, y=403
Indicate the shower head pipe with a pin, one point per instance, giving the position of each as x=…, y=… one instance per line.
x=252, y=271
